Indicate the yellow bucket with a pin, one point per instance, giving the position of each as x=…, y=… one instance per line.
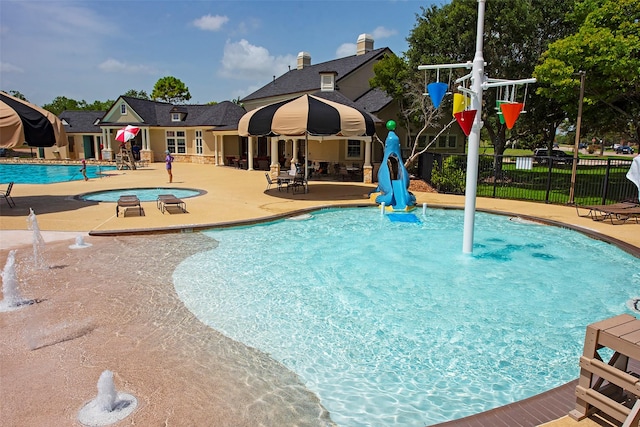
x=460, y=102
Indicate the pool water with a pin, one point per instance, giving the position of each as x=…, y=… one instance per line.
x=389, y=323
x=48, y=174
x=144, y=194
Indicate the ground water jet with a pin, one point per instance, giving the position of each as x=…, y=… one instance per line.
x=80, y=243
x=38, y=242
x=108, y=406
x=10, y=292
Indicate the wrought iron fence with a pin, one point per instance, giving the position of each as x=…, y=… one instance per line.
x=539, y=178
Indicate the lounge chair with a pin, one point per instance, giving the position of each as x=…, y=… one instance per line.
x=7, y=195
x=597, y=212
x=166, y=200
x=622, y=215
x=128, y=201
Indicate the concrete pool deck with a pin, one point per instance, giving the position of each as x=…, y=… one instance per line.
x=100, y=318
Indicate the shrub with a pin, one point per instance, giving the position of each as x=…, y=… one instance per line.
x=450, y=178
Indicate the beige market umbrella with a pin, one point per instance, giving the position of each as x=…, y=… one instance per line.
x=306, y=115
x=21, y=122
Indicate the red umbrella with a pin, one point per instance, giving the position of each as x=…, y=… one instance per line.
x=127, y=133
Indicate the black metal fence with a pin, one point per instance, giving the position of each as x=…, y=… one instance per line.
x=542, y=179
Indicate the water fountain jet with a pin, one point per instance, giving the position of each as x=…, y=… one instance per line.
x=10, y=292
x=38, y=242
x=80, y=243
x=109, y=406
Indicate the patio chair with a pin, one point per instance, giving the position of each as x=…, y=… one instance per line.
x=165, y=200
x=128, y=201
x=7, y=195
x=270, y=182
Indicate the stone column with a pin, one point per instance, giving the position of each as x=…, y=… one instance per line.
x=250, y=152
x=274, y=167
x=367, y=168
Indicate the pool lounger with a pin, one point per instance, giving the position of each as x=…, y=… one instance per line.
x=165, y=200
x=128, y=201
x=598, y=212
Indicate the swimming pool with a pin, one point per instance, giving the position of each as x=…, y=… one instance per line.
x=47, y=174
x=144, y=194
x=390, y=324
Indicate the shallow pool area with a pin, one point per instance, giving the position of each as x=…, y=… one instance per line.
x=390, y=324
x=144, y=194
x=48, y=174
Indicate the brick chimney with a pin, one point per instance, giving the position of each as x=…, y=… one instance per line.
x=304, y=60
x=364, y=44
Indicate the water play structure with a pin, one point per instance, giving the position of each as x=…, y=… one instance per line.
x=393, y=178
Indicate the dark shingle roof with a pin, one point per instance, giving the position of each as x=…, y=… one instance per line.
x=373, y=100
x=81, y=121
x=341, y=99
x=223, y=116
x=308, y=78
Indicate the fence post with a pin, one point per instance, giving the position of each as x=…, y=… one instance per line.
x=549, y=176
x=605, y=185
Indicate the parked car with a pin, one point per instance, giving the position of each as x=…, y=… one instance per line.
x=541, y=156
x=624, y=149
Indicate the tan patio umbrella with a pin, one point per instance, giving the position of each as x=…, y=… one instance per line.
x=21, y=122
x=306, y=115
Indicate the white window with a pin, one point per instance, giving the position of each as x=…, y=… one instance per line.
x=198, y=142
x=327, y=82
x=354, y=149
x=123, y=109
x=176, y=141
x=175, y=117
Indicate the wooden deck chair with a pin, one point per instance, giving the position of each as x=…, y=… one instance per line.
x=7, y=195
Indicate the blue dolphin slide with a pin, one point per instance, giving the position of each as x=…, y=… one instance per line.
x=393, y=177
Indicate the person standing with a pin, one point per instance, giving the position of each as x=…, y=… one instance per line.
x=169, y=163
x=83, y=169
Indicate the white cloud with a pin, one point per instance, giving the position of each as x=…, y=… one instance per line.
x=114, y=66
x=242, y=60
x=383, y=33
x=346, y=49
x=211, y=23
x=5, y=67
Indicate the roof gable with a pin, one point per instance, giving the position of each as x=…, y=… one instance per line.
x=308, y=78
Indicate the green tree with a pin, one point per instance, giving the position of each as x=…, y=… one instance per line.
x=170, y=89
x=99, y=105
x=404, y=85
x=18, y=94
x=606, y=47
x=516, y=33
x=141, y=94
x=62, y=103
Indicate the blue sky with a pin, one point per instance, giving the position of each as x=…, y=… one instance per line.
x=96, y=50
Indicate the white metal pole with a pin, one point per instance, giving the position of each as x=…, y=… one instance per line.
x=477, y=76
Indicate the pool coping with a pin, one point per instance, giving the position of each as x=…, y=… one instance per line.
x=79, y=197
